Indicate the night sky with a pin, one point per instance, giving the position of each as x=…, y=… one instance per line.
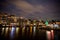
x=32, y=8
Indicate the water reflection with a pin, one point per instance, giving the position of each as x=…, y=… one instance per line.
x=23, y=30
x=17, y=31
x=2, y=31
x=28, y=32
x=56, y=35
x=31, y=31
x=6, y=31
x=12, y=32
x=34, y=30
x=50, y=35
x=10, y=29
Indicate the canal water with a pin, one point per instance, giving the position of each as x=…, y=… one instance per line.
x=28, y=33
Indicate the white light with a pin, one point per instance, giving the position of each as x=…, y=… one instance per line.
x=3, y=25
x=12, y=32
x=34, y=29
x=17, y=29
x=6, y=31
x=34, y=24
x=2, y=28
x=7, y=28
x=13, y=28
x=56, y=25
x=48, y=35
x=51, y=30
x=21, y=17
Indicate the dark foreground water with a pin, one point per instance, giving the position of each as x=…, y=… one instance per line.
x=28, y=33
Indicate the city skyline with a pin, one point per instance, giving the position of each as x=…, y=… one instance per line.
x=32, y=8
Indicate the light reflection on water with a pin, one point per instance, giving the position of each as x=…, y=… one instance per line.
x=12, y=32
x=23, y=30
x=6, y=31
x=50, y=35
x=15, y=31
x=31, y=31
x=2, y=31
x=34, y=30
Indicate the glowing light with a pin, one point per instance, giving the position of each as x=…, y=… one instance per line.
x=2, y=31
x=34, y=30
x=3, y=25
x=13, y=29
x=56, y=25
x=46, y=23
x=15, y=19
x=6, y=31
x=12, y=32
x=51, y=30
x=23, y=29
x=52, y=34
x=10, y=28
x=7, y=28
x=30, y=29
x=34, y=23
x=21, y=17
x=17, y=29
x=48, y=35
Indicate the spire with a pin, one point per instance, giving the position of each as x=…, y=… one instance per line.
x=46, y=23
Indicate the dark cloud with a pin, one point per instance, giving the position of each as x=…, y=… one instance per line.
x=32, y=8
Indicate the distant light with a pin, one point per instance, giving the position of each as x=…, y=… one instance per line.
x=46, y=23
x=9, y=17
x=3, y=25
x=5, y=15
x=12, y=32
x=52, y=34
x=48, y=32
x=7, y=28
x=6, y=31
x=3, y=28
x=17, y=28
x=21, y=17
x=34, y=29
x=51, y=30
x=56, y=25
x=34, y=23
x=13, y=28
x=7, y=25
x=48, y=35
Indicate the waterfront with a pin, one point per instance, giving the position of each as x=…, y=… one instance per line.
x=28, y=33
